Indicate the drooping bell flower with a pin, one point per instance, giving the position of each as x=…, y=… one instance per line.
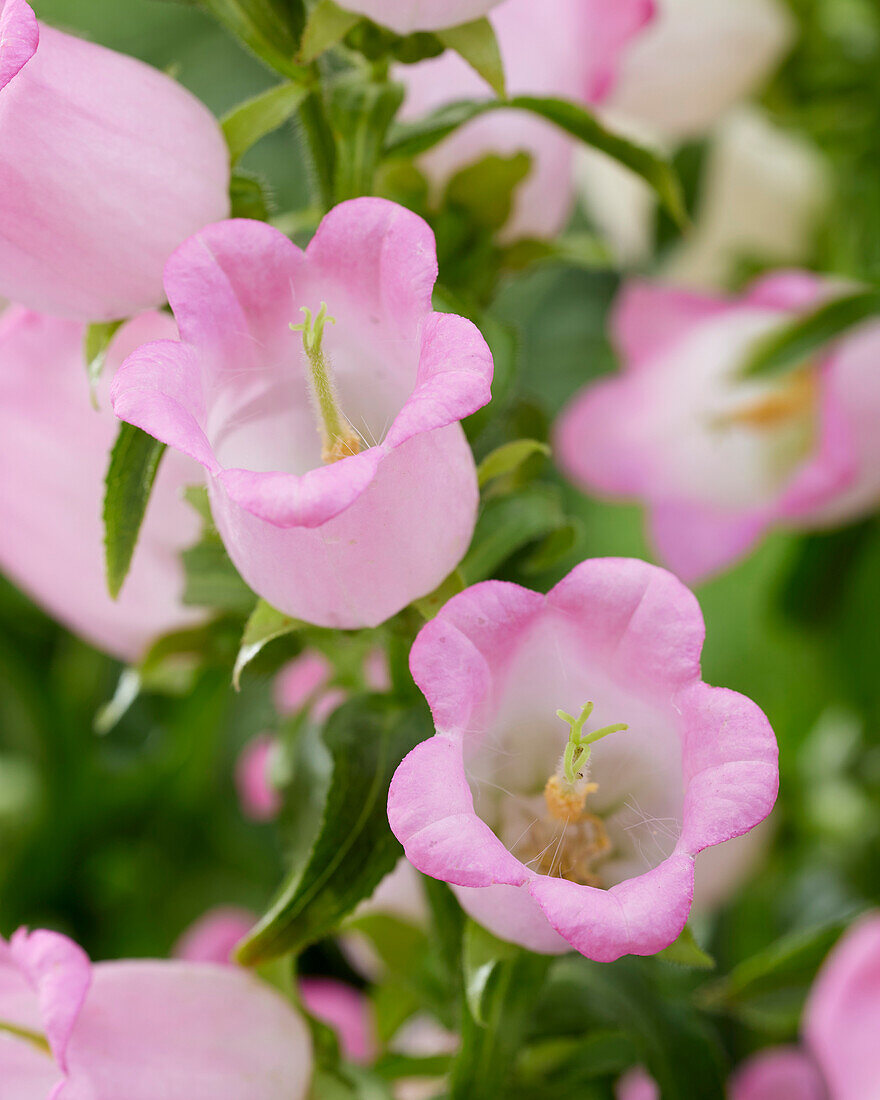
x=579, y=762
x=340, y=479
x=695, y=61
x=406, y=16
x=567, y=48
x=106, y=165
x=839, y=1058
x=142, y=1029
x=54, y=452
x=719, y=459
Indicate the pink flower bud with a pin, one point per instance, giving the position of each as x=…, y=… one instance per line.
x=54, y=452
x=587, y=844
x=143, y=1029
x=106, y=165
x=340, y=478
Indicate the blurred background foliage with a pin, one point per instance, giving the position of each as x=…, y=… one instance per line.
x=123, y=839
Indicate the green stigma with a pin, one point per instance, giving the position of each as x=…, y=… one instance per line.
x=579, y=747
x=338, y=437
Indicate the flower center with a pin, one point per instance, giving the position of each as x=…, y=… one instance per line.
x=339, y=439
x=570, y=841
x=792, y=400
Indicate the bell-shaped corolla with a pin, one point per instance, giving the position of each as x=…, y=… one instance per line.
x=340, y=478
x=54, y=453
x=563, y=48
x=553, y=833
x=142, y=1029
x=719, y=458
x=106, y=165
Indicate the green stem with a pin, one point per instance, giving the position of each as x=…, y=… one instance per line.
x=322, y=147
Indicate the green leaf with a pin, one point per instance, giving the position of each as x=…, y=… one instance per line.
x=509, y=523
x=501, y=982
x=789, y=346
x=482, y=956
x=687, y=952
x=367, y=738
x=583, y=250
x=246, y=124
x=134, y=463
x=563, y=1066
x=674, y=1042
x=212, y=580
x=327, y=24
x=264, y=626
x=485, y=190
x=271, y=29
x=551, y=550
x=477, y=44
x=507, y=458
x=771, y=986
x=411, y=138
x=97, y=340
x=249, y=196
x=429, y=605
x=360, y=112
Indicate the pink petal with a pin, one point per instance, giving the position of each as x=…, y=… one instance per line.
x=19, y=37
x=106, y=165
x=842, y=1017
x=782, y=1073
x=346, y=1011
x=54, y=452
x=178, y=1030
x=60, y=974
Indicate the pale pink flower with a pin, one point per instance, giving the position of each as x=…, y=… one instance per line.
x=349, y=543
x=406, y=16
x=142, y=1029
x=783, y=1073
x=54, y=453
x=602, y=859
x=695, y=61
x=106, y=165
x=719, y=460
x=567, y=48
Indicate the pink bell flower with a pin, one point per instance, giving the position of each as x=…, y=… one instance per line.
x=719, y=460
x=340, y=479
x=259, y=798
x=567, y=48
x=106, y=165
x=553, y=836
x=142, y=1029
x=54, y=452
x=406, y=16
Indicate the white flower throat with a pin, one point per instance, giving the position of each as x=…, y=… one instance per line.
x=571, y=841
